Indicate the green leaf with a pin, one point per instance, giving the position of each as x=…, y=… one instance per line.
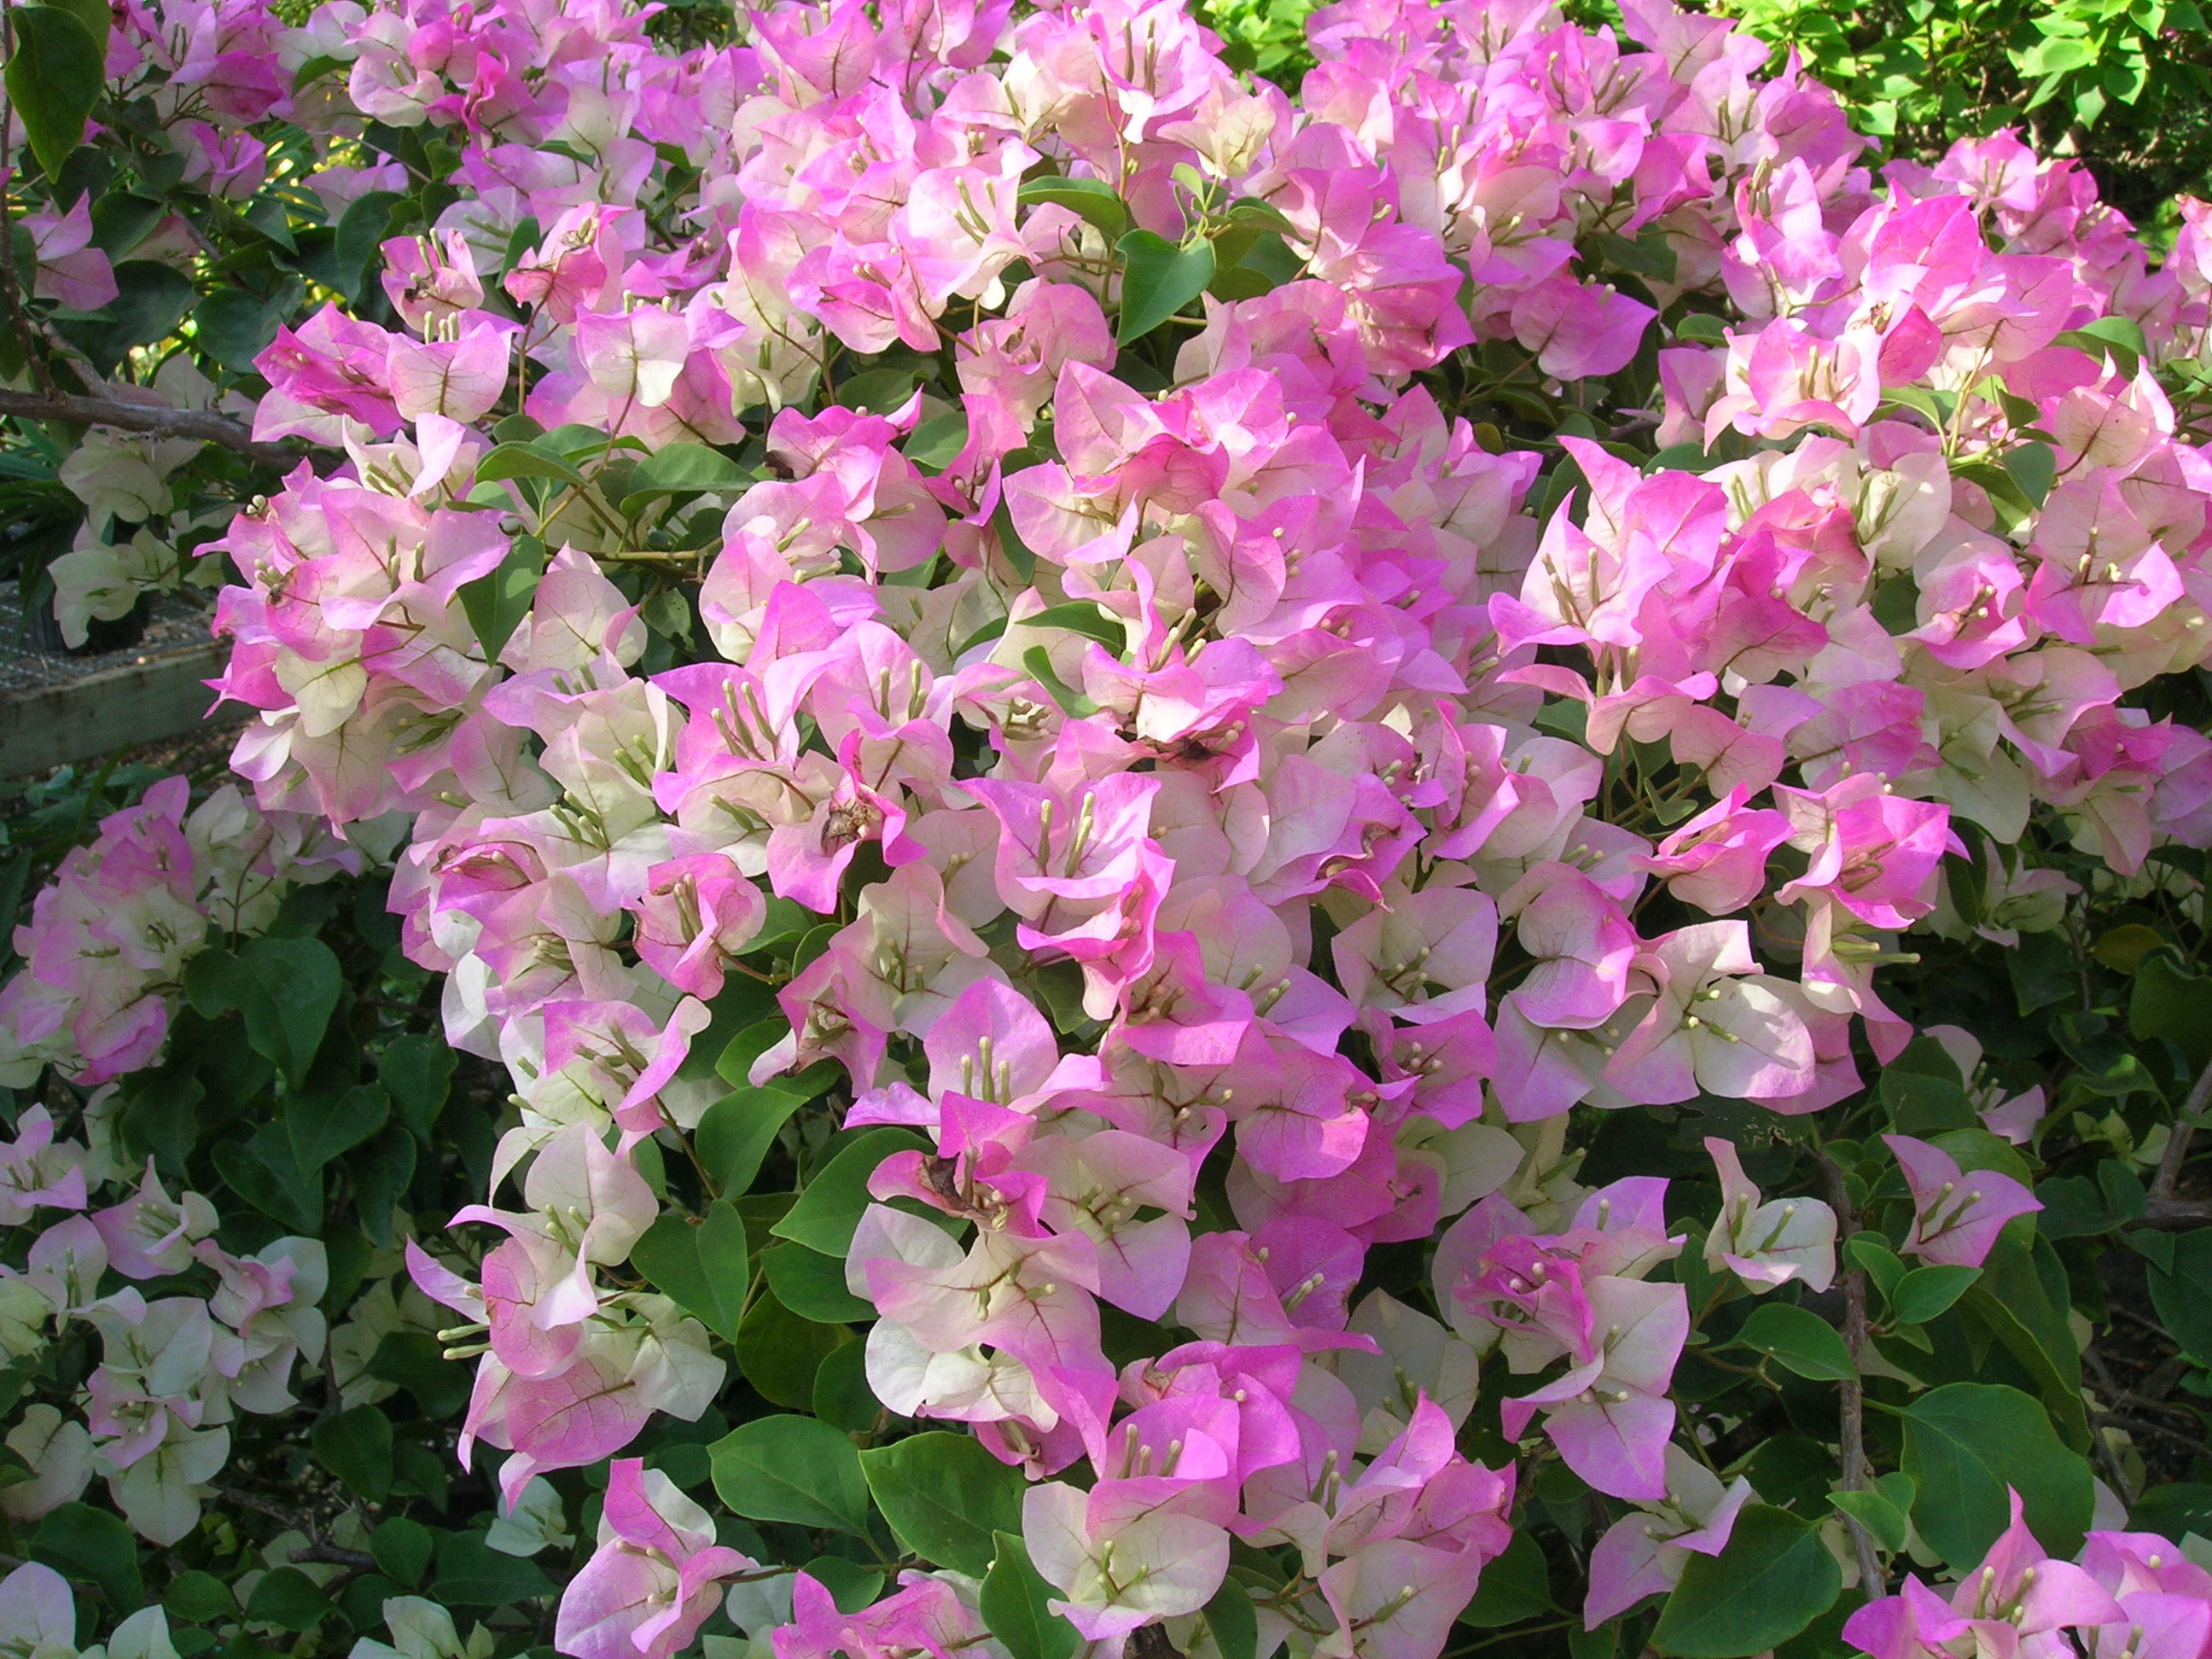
x=1925, y=1292
x=416, y=1361
x=937, y=442
x=2183, y=1296
x=403, y=1549
x=2120, y=337
x=417, y=1071
x=2034, y=468
x=362, y=229
x=286, y=988
x=683, y=469
x=736, y=1131
x=356, y=1447
x=1800, y=1339
x=1235, y=1624
x=1884, y=1522
x=234, y=326
x=1774, y=1577
x=1514, y=1586
x=851, y=1586
x=944, y=1496
x=287, y=1598
x=2022, y=1300
x=53, y=79
x=1081, y=616
x=263, y=1172
x=812, y=1285
x=831, y=1204
x=702, y=1268
x=496, y=603
x=321, y=1128
x=793, y=1469
x=120, y=220
x=199, y=1598
x=83, y=1542
x=527, y=460
x=97, y=19
x=780, y=1353
x=471, y=1573
x=2042, y=971
x=1015, y=1606
x=1923, y=1106
x=842, y=1398
x=2163, y=1002
x=1092, y=200
x=1896, y=603
x=1159, y=279
x=1073, y=703
x=151, y=298
x=2170, y=1510
x=1964, y=1443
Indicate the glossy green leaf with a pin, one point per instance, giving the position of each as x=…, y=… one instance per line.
x=1964, y=1444
x=356, y=1446
x=495, y=604
x=53, y=78
x=1798, y=1339
x=1774, y=1577
x=417, y=1071
x=1092, y=200
x=1232, y=1621
x=681, y=469
x=1516, y=1585
x=699, y=1266
x=842, y=1398
x=84, y=1542
x=1925, y=1292
x=780, y=1353
x=286, y=988
x=471, y=1573
x=1159, y=279
x=2182, y=1297
x=736, y=1131
x=793, y=1469
x=2164, y=1002
x=403, y=1549
x=813, y=1284
x=1015, y=1606
x=831, y=1206
x=1081, y=616
x=289, y=1599
x=944, y=1496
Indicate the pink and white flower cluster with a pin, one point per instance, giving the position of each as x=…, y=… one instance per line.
x=218, y=1335
x=109, y=935
x=1231, y=758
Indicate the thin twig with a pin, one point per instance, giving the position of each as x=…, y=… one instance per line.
x=1852, y=1413
x=360, y=1560
x=318, y=1548
x=201, y=424
x=2115, y=1476
x=2137, y=1426
x=2176, y=1140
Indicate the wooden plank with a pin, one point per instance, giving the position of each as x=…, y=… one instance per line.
x=85, y=719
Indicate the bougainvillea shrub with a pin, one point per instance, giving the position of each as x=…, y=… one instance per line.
x=1042, y=850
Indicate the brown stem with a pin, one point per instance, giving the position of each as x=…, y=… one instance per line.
x=2177, y=1141
x=2176, y=1212
x=1852, y=1414
x=157, y=418
x=318, y=1548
